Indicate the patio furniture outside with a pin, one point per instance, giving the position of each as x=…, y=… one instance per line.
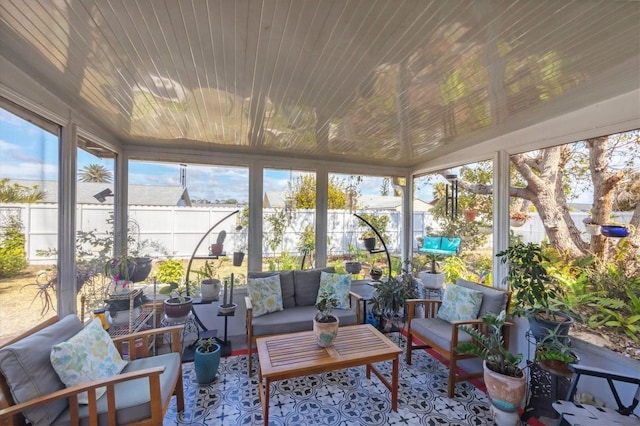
x=292, y=355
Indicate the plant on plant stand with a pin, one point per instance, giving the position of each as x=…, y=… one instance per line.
x=209, y=284
x=503, y=376
x=390, y=297
x=433, y=279
x=554, y=353
x=178, y=306
x=533, y=289
x=325, y=325
x=206, y=360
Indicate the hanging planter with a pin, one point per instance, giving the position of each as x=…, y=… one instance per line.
x=592, y=229
x=470, y=215
x=614, y=231
x=517, y=219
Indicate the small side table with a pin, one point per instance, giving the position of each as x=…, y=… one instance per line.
x=190, y=328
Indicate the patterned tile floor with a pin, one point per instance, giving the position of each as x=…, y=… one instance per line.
x=342, y=398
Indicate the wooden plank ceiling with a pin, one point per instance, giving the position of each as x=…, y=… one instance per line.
x=368, y=81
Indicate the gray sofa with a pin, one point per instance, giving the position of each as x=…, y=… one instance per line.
x=299, y=292
x=30, y=387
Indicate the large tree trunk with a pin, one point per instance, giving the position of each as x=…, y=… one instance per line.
x=544, y=176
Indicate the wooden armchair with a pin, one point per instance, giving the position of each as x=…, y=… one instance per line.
x=139, y=395
x=443, y=336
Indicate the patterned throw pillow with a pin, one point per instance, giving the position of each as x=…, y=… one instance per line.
x=459, y=303
x=336, y=285
x=265, y=294
x=87, y=356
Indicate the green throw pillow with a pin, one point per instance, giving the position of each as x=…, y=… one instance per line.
x=336, y=285
x=459, y=303
x=87, y=356
x=265, y=294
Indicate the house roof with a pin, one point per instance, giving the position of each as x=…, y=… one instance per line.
x=276, y=199
x=145, y=195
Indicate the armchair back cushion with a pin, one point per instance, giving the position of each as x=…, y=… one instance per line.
x=493, y=300
x=459, y=303
x=29, y=372
x=286, y=285
x=87, y=356
x=307, y=284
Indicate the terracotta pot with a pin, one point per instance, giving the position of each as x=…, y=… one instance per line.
x=505, y=392
x=325, y=332
x=215, y=249
x=470, y=215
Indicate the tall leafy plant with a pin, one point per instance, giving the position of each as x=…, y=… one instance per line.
x=528, y=278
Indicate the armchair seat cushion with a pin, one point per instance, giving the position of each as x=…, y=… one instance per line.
x=132, y=397
x=438, y=331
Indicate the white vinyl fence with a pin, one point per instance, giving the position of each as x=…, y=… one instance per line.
x=175, y=231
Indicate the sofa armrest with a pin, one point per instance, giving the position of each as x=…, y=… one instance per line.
x=71, y=394
x=358, y=299
x=146, y=336
x=431, y=307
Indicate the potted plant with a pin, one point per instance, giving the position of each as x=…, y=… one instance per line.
x=325, y=325
x=432, y=279
x=517, y=219
x=533, y=289
x=504, y=378
x=217, y=248
x=209, y=284
x=375, y=272
x=128, y=268
x=118, y=307
x=389, y=298
x=353, y=266
x=554, y=354
x=369, y=240
x=178, y=306
x=206, y=360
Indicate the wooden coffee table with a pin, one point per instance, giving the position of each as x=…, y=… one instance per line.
x=286, y=356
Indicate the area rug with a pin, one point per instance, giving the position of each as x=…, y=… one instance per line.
x=342, y=397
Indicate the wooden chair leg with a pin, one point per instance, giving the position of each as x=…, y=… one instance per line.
x=409, y=348
x=249, y=356
x=451, y=385
x=179, y=393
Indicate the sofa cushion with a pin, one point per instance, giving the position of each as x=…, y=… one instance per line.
x=336, y=286
x=438, y=331
x=296, y=319
x=265, y=294
x=459, y=303
x=132, y=397
x=449, y=244
x=87, y=356
x=307, y=284
x=29, y=373
x=431, y=242
x=286, y=285
x=492, y=300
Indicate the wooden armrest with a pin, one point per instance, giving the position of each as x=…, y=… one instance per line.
x=72, y=392
x=355, y=296
x=176, y=344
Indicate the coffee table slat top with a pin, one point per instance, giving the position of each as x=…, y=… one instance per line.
x=353, y=344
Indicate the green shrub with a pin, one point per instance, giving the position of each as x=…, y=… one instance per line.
x=170, y=271
x=12, y=253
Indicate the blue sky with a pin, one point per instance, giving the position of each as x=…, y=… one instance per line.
x=27, y=152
